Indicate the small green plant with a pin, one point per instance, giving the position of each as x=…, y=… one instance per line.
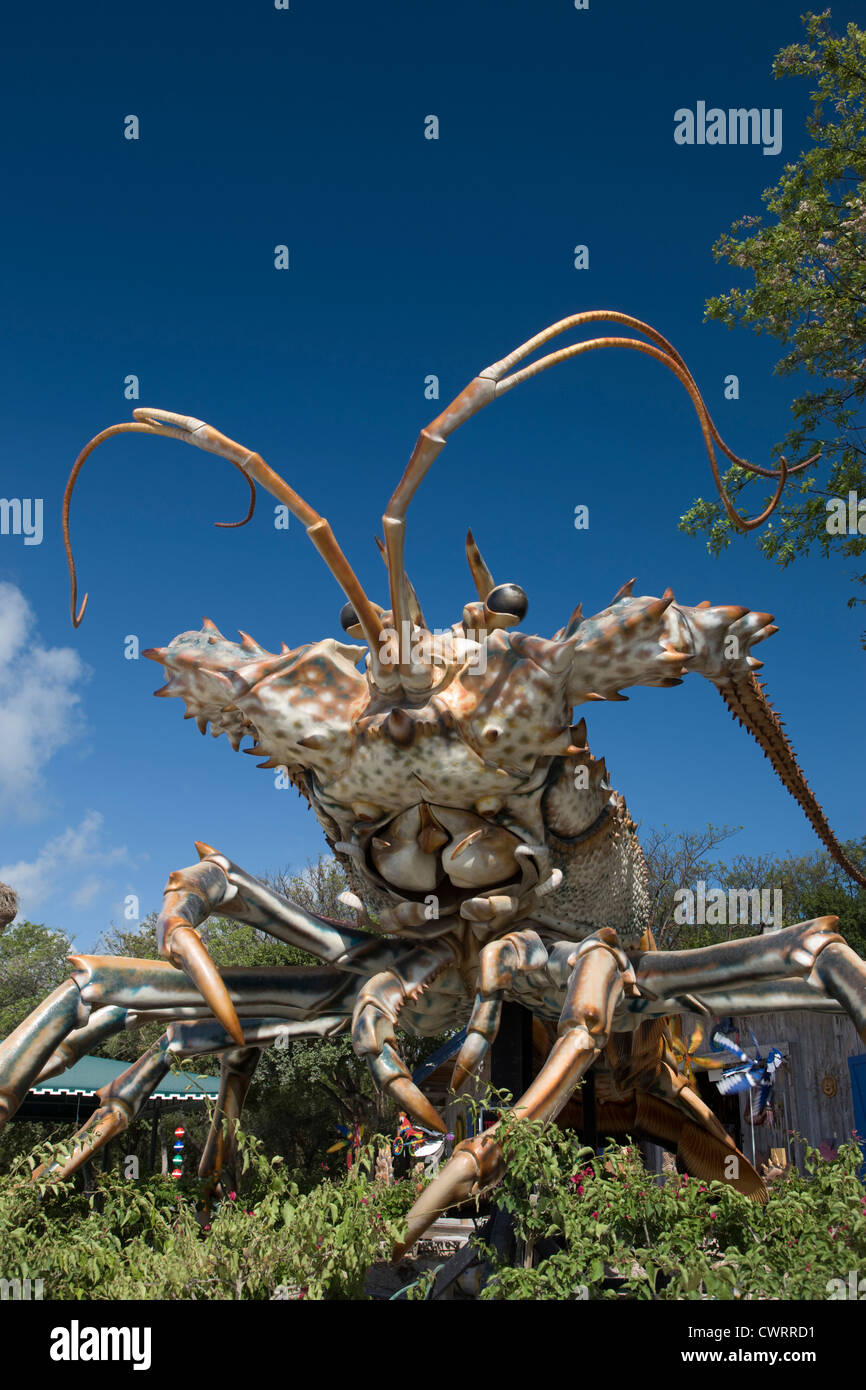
x=619, y=1232
x=144, y=1239
x=623, y=1233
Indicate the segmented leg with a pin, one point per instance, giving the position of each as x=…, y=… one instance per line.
x=641, y=1066
x=600, y=974
x=766, y=997
x=120, y=1102
x=28, y=1048
x=146, y=989
x=191, y=895
x=374, y=1025
x=215, y=883
x=102, y=1024
x=808, y=965
x=499, y=962
x=122, y=1099
x=219, y=1156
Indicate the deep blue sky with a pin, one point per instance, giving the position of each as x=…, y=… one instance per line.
x=408, y=257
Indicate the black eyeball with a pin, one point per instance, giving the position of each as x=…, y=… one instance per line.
x=348, y=616
x=509, y=599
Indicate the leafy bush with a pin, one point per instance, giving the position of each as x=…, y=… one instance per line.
x=625, y=1234
x=143, y=1239
x=620, y=1232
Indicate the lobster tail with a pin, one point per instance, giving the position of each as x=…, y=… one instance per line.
x=745, y=698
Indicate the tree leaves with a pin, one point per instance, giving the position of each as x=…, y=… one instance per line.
x=808, y=290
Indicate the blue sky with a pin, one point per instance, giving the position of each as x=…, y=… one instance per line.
x=408, y=257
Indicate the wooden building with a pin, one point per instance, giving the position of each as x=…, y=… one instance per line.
x=813, y=1094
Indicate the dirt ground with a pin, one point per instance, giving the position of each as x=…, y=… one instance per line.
x=385, y=1280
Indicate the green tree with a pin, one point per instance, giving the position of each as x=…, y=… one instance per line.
x=807, y=265
x=812, y=885
x=677, y=859
x=32, y=963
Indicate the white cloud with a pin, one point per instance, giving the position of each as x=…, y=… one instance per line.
x=65, y=867
x=40, y=710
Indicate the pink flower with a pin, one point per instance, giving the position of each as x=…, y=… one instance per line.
x=363, y=1201
x=595, y=1214
x=207, y=1228
x=232, y=1196
x=713, y=1215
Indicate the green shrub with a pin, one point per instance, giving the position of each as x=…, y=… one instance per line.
x=142, y=1239
x=621, y=1232
x=625, y=1234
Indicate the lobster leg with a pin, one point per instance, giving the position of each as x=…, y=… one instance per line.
x=374, y=1025
x=599, y=975
x=219, y=1155
x=102, y=1024
x=122, y=1099
x=763, y=997
x=142, y=986
x=120, y=1102
x=216, y=884
x=642, y=1062
x=518, y=953
x=337, y=943
x=29, y=1047
x=808, y=958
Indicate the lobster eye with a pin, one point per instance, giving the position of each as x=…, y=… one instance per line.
x=348, y=616
x=509, y=599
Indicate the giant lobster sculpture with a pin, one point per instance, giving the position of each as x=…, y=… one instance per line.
x=476, y=831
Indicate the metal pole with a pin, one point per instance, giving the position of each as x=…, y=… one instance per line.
x=154, y=1136
x=590, y=1124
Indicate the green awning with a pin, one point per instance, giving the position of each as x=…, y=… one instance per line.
x=89, y=1074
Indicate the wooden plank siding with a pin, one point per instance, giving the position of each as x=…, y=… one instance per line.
x=813, y=1095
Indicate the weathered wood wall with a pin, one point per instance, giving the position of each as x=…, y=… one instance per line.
x=813, y=1093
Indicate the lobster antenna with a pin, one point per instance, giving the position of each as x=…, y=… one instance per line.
x=128, y=427
x=252, y=465
x=415, y=611
x=498, y=378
